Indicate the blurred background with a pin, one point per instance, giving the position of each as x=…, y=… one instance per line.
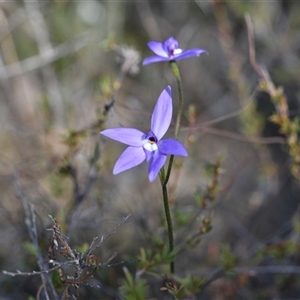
x=69, y=69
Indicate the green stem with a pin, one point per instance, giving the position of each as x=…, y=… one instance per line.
x=176, y=73
x=168, y=217
x=164, y=177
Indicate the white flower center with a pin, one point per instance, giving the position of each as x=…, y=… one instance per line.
x=177, y=51
x=150, y=146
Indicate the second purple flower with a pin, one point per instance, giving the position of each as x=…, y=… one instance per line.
x=148, y=146
x=169, y=51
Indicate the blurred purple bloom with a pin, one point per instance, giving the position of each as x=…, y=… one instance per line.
x=169, y=51
x=148, y=145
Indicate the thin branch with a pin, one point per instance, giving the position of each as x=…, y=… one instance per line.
x=103, y=239
x=108, y=260
x=231, y=114
x=34, y=273
x=262, y=72
x=239, y=137
x=42, y=37
x=30, y=221
x=251, y=270
x=44, y=58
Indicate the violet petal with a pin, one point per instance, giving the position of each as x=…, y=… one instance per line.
x=171, y=147
x=128, y=136
x=130, y=158
x=148, y=154
x=154, y=59
x=162, y=114
x=189, y=53
x=171, y=43
x=158, y=48
x=155, y=165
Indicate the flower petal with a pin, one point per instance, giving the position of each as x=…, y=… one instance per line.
x=189, y=53
x=128, y=136
x=158, y=48
x=162, y=114
x=130, y=158
x=171, y=44
x=154, y=59
x=155, y=165
x=172, y=147
x=149, y=155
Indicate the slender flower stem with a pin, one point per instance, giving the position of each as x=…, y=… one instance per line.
x=167, y=177
x=176, y=73
x=168, y=217
x=164, y=177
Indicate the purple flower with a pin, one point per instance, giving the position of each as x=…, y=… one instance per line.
x=169, y=51
x=148, y=146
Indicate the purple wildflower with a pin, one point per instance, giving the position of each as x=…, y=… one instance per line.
x=148, y=146
x=169, y=51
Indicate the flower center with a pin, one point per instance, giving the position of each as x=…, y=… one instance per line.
x=176, y=51
x=172, y=47
x=150, y=141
